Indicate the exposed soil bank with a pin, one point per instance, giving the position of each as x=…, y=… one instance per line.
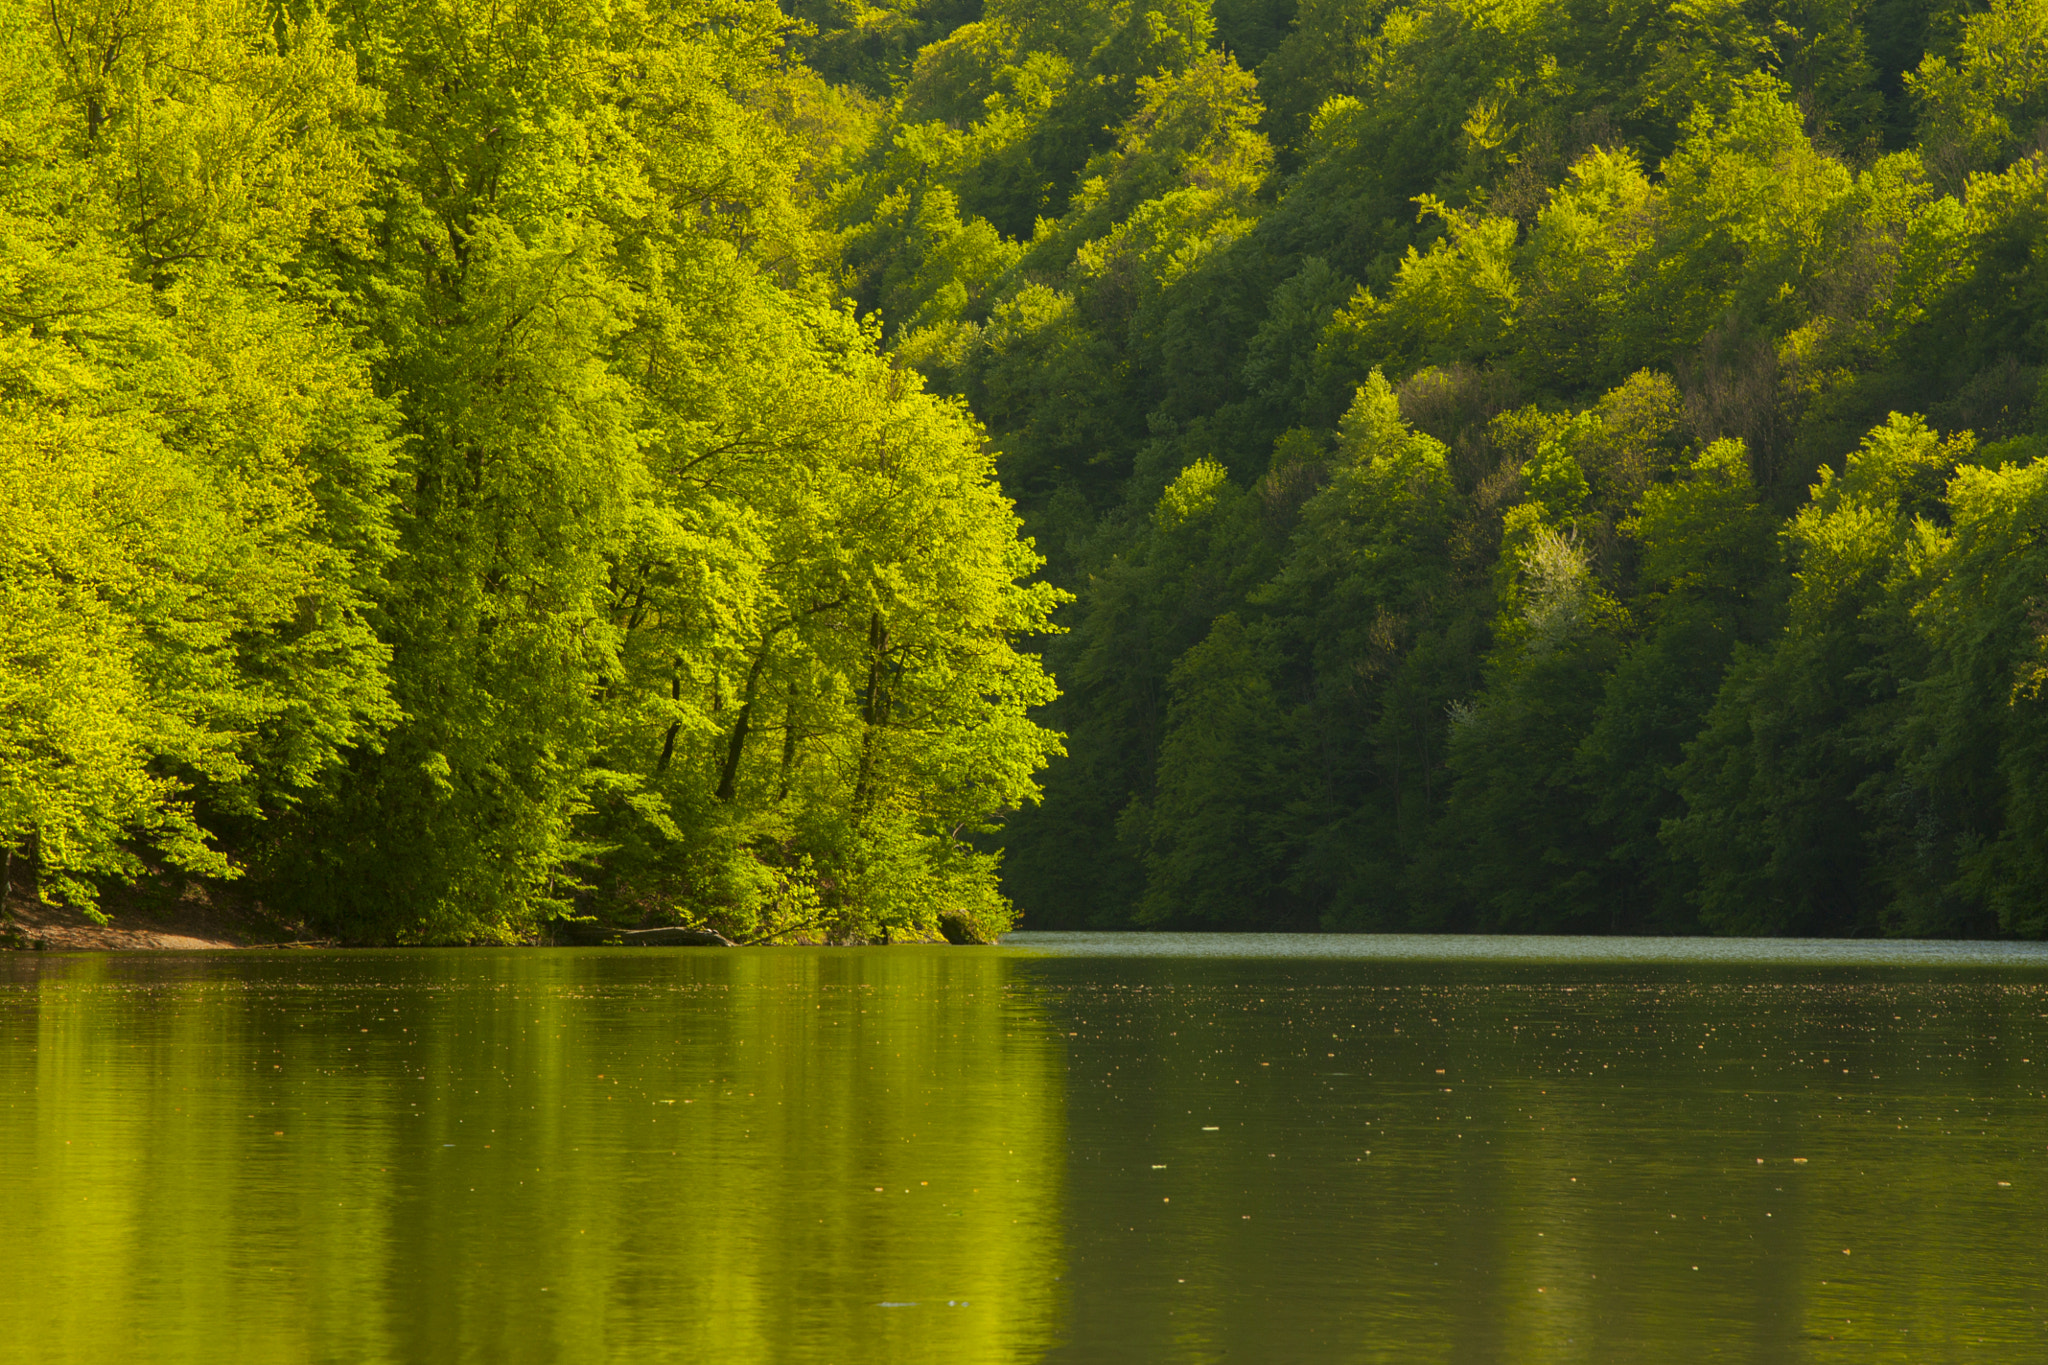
x=165, y=919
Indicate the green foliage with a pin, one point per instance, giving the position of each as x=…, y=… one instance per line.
x=1986, y=100
x=1444, y=414
x=438, y=483
x=195, y=470
x=469, y=467
x=1786, y=782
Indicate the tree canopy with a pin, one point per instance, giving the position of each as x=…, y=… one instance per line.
x=1529, y=466
x=444, y=490
x=1532, y=465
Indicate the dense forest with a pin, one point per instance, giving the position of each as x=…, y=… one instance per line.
x=443, y=491
x=1525, y=465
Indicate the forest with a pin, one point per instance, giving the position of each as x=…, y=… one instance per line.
x=1462, y=465
x=444, y=494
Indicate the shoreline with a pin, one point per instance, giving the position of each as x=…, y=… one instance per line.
x=195, y=922
x=185, y=926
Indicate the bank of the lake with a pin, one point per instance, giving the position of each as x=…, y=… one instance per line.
x=131, y=926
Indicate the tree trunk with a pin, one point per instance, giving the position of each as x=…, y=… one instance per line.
x=728, y=778
x=872, y=709
x=788, y=747
x=668, y=742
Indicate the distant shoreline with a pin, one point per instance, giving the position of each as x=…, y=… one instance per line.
x=185, y=925
x=194, y=925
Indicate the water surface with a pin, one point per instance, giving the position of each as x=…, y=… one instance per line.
x=1070, y=1148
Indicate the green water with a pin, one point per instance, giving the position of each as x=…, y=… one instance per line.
x=1065, y=1149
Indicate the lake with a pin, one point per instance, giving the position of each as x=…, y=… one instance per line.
x=1118, y=1148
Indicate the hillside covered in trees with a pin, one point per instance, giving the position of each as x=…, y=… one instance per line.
x=1528, y=465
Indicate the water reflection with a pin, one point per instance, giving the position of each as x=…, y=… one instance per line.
x=527, y=1156
x=1067, y=1152
x=1317, y=1160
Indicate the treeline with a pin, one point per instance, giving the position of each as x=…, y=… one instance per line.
x=441, y=488
x=1533, y=465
